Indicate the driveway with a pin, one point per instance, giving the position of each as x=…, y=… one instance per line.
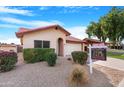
x=113, y=63
x=41, y=75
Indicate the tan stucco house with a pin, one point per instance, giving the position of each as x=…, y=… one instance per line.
x=53, y=36
x=8, y=47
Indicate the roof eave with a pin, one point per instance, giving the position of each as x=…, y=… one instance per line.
x=18, y=35
x=66, y=32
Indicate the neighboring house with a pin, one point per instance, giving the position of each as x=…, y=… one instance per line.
x=10, y=47
x=53, y=36
x=123, y=46
x=88, y=41
x=117, y=45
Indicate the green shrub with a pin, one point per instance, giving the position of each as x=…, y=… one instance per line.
x=32, y=55
x=7, y=60
x=51, y=58
x=79, y=57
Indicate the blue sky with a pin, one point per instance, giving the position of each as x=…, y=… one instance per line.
x=73, y=18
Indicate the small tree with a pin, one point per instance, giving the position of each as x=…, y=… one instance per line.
x=109, y=26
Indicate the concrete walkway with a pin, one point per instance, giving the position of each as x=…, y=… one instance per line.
x=121, y=83
x=114, y=64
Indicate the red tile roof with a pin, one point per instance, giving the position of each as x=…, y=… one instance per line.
x=73, y=39
x=22, y=31
x=91, y=40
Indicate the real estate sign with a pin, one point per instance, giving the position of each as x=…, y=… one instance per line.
x=98, y=53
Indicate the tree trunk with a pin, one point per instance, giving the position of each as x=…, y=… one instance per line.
x=103, y=39
x=114, y=43
x=117, y=46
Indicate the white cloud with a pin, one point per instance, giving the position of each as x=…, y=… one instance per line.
x=32, y=23
x=94, y=7
x=91, y=6
x=73, y=7
x=15, y=11
x=76, y=9
x=8, y=26
x=12, y=20
x=10, y=40
x=81, y=7
x=43, y=8
x=43, y=23
x=70, y=9
x=78, y=31
x=58, y=22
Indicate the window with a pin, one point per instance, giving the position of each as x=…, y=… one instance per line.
x=37, y=44
x=46, y=44
x=11, y=50
x=41, y=44
x=85, y=48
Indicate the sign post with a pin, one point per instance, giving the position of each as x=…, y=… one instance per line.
x=90, y=60
x=98, y=52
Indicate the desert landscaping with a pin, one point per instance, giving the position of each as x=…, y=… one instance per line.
x=49, y=49
x=41, y=75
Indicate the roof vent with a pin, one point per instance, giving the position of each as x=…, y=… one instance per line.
x=56, y=28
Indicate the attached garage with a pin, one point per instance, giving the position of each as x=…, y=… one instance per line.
x=72, y=44
x=70, y=47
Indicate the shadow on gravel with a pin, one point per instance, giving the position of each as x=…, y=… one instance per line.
x=98, y=79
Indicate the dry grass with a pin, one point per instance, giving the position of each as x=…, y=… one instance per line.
x=78, y=76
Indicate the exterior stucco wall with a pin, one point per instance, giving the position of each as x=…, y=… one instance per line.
x=8, y=48
x=70, y=47
x=51, y=35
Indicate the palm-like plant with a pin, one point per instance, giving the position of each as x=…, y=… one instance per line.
x=96, y=29
x=90, y=30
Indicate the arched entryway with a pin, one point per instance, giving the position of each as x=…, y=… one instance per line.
x=60, y=47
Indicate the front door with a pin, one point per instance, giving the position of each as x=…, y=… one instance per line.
x=60, y=47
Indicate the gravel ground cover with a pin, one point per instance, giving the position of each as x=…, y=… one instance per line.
x=41, y=75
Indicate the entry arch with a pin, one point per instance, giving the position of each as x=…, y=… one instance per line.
x=60, y=47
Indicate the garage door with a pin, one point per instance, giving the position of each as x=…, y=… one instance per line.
x=71, y=47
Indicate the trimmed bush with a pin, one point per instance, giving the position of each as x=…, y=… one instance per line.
x=51, y=58
x=78, y=76
x=33, y=55
x=79, y=57
x=7, y=60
